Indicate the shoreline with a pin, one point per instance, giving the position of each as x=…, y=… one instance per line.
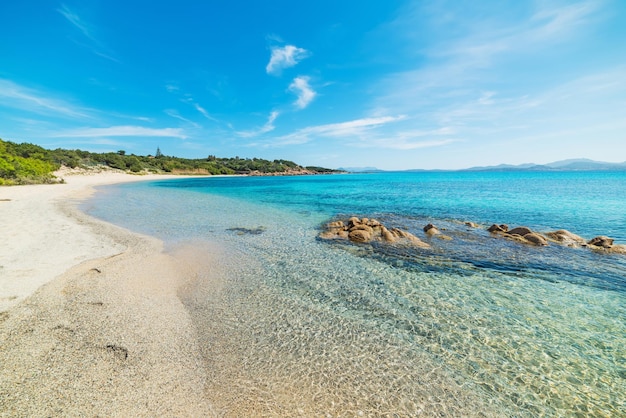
x=90, y=319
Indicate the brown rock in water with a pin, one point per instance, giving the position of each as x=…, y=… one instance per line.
x=353, y=221
x=565, y=237
x=618, y=249
x=335, y=225
x=601, y=241
x=373, y=223
x=536, y=239
x=386, y=235
x=362, y=227
x=471, y=224
x=431, y=230
x=368, y=230
x=520, y=230
x=517, y=237
x=360, y=235
x=498, y=228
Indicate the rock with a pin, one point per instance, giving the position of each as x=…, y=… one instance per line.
x=431, y=230
x=362, y=227
x=520, y=230
x=360, y=235
x=471, y=224
x=386, y=235
x=565, y=237
x=335, y=225
x=498, y=228
x=517, y=237
x=618, y=249
x=601, y=241
x=373, y=223
x=328, y=235
x=536, y=239
x=412, y=238
x=444, y=237
x=368, y=230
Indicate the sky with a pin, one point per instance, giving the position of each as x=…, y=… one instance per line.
x=388, y=84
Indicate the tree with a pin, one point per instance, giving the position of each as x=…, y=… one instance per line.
x=158, y=153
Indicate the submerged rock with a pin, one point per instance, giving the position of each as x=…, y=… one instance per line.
x=369, y=230
x=250, y=231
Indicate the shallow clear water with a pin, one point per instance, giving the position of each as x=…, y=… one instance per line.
x=475, y=326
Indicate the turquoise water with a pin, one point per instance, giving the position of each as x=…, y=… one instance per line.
x=476, y=326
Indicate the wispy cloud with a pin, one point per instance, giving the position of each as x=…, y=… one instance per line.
x=199, y=108
x=187, y=98
x=97, y=47
x=354, y=130
x=300, y=86
x=285, y=57
x=128, y=131
x=31, y=100
x=268, y=127
x=76, y=20
x=174, y=114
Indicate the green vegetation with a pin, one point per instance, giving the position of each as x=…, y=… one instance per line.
x=27, y=163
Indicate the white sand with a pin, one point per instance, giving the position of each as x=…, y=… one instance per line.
x=39, y=241
x=90, y=320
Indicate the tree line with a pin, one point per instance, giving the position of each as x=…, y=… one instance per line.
x=27, y=163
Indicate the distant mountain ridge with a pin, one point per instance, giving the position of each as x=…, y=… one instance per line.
x=577, y=164
x=360, y=169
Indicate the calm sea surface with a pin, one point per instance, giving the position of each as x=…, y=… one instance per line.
x=476, y=326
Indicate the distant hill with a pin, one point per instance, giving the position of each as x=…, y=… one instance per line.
x=360, y=169
x=579, y=164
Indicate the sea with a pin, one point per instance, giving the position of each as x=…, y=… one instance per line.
x=477, y=325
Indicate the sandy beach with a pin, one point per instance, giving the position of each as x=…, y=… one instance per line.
x=90, y=320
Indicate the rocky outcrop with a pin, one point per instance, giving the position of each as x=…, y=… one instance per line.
x=498, y=228
x=601, y=241
x=566, y=238
x=431, y=230
x=369, y=230
x=365, y=230
x=520, y=234
x=525, y=235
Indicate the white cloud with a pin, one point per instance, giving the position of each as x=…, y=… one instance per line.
x=202, y=111
x=300, y=86
x=122, y=131
x=285, y=57
x=75, y=20
x=31, y=100
x=353, y=129
x=174, y=114
x=268, y=127
x=87, y=30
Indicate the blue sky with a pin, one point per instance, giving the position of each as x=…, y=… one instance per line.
x=394, y=85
